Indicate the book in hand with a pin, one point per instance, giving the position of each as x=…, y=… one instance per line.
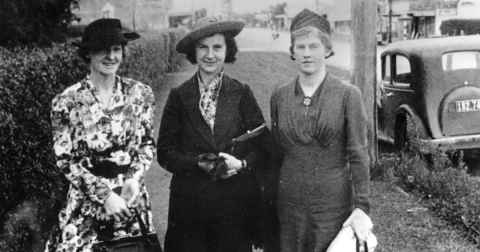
x=250, y=134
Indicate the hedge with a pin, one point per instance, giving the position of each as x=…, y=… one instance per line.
x=29, y=79
x=449, y=191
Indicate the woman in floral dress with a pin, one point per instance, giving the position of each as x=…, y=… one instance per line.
x=102, y=132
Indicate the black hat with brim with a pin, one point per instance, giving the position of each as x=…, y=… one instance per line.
x=207, y=27
x=103, y=33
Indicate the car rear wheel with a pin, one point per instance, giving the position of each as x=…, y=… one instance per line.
x=407, y=136
x=406, y=133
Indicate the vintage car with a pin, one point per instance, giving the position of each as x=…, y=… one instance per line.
x=430, y=90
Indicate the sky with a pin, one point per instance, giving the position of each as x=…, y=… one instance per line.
x=243, y=6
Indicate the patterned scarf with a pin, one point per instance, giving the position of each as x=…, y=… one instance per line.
x=208, y=98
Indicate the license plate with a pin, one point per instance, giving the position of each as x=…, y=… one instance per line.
x=471, y=105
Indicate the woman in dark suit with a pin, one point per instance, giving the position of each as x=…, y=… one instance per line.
x=213, y=189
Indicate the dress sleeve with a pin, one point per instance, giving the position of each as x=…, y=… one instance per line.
x=274, y=114
x=69, y=158
x=142, y=148
x=169, y=155
x=357, y=147
x=252, y=116
x=276, y=149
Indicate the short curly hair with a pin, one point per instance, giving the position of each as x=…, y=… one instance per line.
x=84, y=51
x=231, y=53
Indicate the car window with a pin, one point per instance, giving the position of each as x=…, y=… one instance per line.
x=386, y=72
x=402, y=73
x=461, y=60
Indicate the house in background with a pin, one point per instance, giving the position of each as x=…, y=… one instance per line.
x=283, y=21
x=410, y=19
x=340, y=16
x=184, y=13
x=135, y=14
x=466, y=19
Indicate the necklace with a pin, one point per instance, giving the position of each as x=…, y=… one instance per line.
x=307, y=101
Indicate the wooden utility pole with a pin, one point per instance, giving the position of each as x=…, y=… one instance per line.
x=390, y=13
x=364, y=55
x=134, y=14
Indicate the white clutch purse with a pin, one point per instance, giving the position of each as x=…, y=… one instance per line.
x=345, y=241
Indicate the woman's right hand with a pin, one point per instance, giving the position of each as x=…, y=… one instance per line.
x=206, y=161
x=116, y=207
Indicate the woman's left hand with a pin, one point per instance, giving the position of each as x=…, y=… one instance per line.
x=360, y=223
x=233, y=164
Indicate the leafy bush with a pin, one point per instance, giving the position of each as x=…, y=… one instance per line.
x=153, y=55
x=450, y=191
x=29, y=79
x=40, y=22
x=75, y=31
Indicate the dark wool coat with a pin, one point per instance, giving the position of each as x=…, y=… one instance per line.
x=194, y=198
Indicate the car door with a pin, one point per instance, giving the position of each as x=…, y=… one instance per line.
x=397, y=89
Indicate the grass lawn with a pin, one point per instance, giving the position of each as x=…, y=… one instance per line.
x=401, y=223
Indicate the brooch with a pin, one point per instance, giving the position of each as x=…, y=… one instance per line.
x=307, y=101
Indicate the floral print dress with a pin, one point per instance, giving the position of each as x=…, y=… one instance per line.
x=99, y=149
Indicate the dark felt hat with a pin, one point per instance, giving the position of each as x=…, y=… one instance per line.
x=205, y=27
x=307, y=17
x=105, y=32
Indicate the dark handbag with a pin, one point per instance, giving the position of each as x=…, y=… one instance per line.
x=146, y=242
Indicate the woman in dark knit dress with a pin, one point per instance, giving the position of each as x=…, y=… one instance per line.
x=320, y=125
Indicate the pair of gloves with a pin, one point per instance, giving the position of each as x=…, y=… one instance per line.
x=221, y=166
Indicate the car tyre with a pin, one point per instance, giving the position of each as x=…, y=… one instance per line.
x=407, y=134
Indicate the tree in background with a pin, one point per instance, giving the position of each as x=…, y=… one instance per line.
x=275, y=11
x=37, y=22
x=278, y=9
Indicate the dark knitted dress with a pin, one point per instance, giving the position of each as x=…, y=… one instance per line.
x=325, y=159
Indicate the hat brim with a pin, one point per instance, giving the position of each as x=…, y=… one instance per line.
x=127, y=37
x=131, y=36
x=233, y=28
